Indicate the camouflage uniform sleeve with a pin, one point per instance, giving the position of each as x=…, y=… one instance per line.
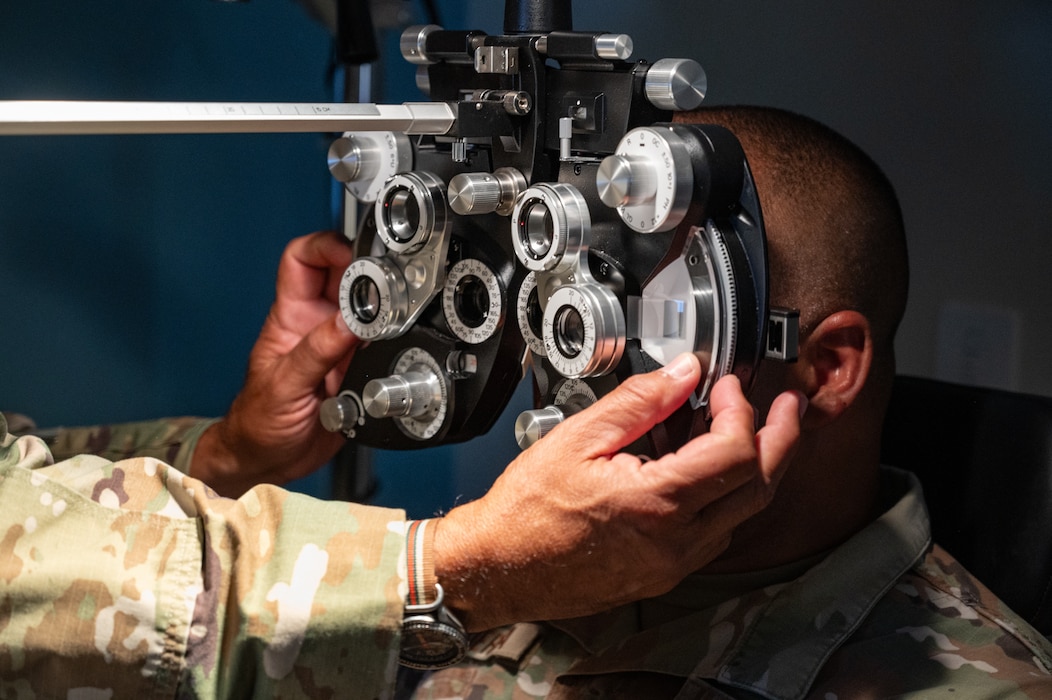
x=170, y=440
x=130, y=579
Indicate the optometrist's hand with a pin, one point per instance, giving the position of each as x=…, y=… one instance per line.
x=573, y=526
x=272, y=434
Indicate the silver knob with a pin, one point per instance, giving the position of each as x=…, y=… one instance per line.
x=409, y=394
x=474, y=193
x=613, y=47
x=413, y=41
x=534, y=424
x=625, y=180
x=676, y=84
x=649, y=178
x=340, y=413
x=364, y=160
x=350, y=159
x=482, y=193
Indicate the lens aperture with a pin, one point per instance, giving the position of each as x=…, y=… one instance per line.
x=471, y=300
x=569, y=331
x=365, y=299
x=401, y=214
x=537, y=229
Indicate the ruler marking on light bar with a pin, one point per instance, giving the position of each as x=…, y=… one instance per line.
x=54, y=117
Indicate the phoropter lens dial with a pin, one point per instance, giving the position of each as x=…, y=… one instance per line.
x=410, y=208
x=530, y=315
x=473, y=301
x=584, y=330
x=549, y=223
x=373, y=298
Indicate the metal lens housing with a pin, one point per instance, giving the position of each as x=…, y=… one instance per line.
x=410, y=208
x=549, y=222
x=569, y=331
x=373, y=298
x=537, y=229
x=471, y=301
x=584, y=330
x=401, y=215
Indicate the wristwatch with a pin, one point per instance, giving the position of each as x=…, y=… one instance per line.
x=432, y=637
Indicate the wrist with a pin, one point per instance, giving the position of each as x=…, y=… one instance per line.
x=477, y=577
x=432, y=636
x=215, y=462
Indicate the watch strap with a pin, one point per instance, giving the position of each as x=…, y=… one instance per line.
x=420, y=562
x=432, y=637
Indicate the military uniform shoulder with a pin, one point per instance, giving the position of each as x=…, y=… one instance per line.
x=941, y=630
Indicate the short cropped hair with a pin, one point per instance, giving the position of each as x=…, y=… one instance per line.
x=836, y=237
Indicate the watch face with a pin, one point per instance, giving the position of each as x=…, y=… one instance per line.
x=428, y=644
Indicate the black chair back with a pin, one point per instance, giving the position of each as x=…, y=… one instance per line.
x=984, y=457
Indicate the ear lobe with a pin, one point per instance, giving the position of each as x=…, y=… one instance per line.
x=839, y=352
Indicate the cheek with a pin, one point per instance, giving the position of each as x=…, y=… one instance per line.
x=772, y=378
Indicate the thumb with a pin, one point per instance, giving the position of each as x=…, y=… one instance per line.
x=636, y=405
x=319, y=351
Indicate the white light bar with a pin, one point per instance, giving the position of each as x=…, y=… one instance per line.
x=47, y=117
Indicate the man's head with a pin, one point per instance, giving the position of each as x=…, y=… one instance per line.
x=835, y=231
x=837, y=253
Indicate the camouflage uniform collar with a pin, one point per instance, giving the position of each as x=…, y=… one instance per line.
x=774, y=640
x=781, y=654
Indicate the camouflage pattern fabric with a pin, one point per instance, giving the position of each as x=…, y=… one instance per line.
x=171, y=441
x=883, y=615
x=128, y=579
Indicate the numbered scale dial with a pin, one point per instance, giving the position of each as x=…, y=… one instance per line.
x=473, y=301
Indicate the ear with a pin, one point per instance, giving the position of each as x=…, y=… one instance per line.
x=836, y=360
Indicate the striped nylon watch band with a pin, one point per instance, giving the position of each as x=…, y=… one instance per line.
x=420, y=561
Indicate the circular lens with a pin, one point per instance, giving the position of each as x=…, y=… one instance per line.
x=534, y=313
x=471, y=301
x=569, y=331
x=536, y=229
x=401, y=214
x=365, y=299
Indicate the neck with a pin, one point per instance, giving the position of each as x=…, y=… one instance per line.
x=829, y=493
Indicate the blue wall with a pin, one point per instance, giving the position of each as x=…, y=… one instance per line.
x=138, y=269
x=135, y=271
